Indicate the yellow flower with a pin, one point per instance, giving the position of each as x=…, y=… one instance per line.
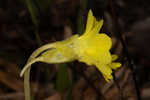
x=92, y=48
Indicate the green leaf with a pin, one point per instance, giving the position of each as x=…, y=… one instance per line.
x=80, y=23
x=33, y=11
x=62, y=81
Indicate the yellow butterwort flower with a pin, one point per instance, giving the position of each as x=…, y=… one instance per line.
x=92, y=48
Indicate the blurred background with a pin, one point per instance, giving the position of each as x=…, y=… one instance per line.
x=25, y=25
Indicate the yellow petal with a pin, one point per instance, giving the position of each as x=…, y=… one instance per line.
x=114, y=57
x=98, y=25
x=93, y=26
x=100, y=41
x=90, y=21
x=108, y=77
x=106, y=71
x=115, y=65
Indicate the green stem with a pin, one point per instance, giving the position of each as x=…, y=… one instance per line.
x=26, y=72
x=27, y=84
x=33, y=11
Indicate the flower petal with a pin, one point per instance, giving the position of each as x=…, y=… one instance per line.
x=114, y=57
x=98, y=25
x=106, y=71
x=115, y=65
x=101, y=41
x=90, y=22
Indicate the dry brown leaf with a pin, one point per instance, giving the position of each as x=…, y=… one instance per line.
x=89, y=94
x=11, y=82
x=56, y=96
